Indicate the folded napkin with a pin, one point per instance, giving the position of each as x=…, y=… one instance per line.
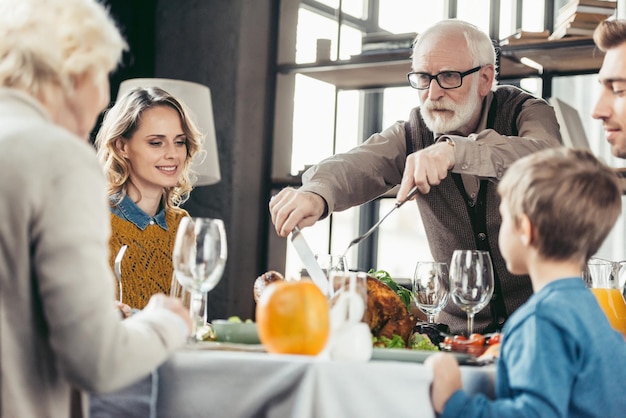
x=350, y=338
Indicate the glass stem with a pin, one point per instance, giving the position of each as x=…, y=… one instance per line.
x=195, y=306
x=431, y=319
x=470, y=324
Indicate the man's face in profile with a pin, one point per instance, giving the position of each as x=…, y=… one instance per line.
x=611, y=105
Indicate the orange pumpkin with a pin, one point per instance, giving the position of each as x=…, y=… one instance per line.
x=292, y=318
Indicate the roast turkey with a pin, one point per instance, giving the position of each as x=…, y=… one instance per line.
x=386, y=314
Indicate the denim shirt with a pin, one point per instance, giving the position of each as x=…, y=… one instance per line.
x=128, y=210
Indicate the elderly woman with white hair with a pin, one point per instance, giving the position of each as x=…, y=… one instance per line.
x=58, y=326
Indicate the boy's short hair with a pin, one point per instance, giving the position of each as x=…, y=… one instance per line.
x=571, y=198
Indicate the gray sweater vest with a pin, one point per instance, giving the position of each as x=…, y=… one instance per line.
x=452, y=221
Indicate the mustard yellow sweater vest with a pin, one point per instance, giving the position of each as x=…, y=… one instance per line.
x=147, y=264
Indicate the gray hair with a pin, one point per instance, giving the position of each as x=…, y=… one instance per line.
x=478, y=42
x=45, y=43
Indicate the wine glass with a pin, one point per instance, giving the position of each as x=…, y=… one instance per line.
x=199, y=259
x=332, y=265
x=471, y=282
x=430, y=287
x=177, y=291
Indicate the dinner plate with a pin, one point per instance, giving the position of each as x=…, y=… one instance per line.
x=413, y=356
x=221, y=346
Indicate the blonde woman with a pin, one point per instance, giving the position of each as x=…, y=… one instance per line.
x=145, y=144
x=58, y=327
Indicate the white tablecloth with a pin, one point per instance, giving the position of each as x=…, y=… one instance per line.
x=196, y=383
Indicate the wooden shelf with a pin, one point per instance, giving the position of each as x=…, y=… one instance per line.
x=365, y=71
x=561, y=57
x=576, y=55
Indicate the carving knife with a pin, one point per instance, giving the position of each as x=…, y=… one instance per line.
x=308, y=259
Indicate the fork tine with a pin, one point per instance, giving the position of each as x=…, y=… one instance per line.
x=369, y=232
x=358, y=239
x=117, y=268
x=120, y=253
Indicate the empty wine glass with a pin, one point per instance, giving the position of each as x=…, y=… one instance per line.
x=177, y=291
x=332, y=264
x=471, y=282
x=199, y=259
x=430, y=287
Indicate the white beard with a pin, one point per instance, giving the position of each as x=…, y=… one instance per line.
x=456, y=115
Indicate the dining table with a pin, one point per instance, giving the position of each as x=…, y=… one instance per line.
x=232, y=381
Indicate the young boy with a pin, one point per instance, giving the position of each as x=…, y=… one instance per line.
x=559, y=355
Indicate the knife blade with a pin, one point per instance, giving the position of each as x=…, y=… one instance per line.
x=308, y=259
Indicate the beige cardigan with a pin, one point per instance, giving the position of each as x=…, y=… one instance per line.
x=58, y=324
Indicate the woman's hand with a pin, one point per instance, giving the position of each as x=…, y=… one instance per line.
x=124, y=309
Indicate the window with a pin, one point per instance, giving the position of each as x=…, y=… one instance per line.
x=476, y=12
x=402, y=16
x=315, y=119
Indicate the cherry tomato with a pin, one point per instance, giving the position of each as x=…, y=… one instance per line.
x=448, y=341
x=477, y=340
x=495, y=339
x=457, y=343
x=475, y=350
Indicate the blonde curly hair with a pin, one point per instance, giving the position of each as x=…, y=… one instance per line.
x=120, y=123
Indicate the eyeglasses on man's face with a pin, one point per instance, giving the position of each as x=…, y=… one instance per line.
x=446, y=79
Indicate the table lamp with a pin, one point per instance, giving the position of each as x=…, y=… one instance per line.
x=197, y=98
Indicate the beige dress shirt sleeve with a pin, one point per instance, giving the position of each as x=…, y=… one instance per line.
x=361, y=174
x=369, y=170
x=487, y=154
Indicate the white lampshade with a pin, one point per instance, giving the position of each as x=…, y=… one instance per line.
x=197, y=98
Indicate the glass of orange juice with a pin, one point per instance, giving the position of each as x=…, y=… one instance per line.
x=602, y=278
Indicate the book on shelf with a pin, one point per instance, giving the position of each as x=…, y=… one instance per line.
x=565, y=31
x=602, y=8
x=581, y=17
x=396, y=52
x=384, y=46
x=387, y=37
x=580, y=24
x=591, y=6
x=525, y=37
x=381, y=42
x=593, y=3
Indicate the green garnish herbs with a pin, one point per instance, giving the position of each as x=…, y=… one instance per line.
x=238, y=320
x=395, y=342
x=402, y=292
x=421, y=342
x=416, y=342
